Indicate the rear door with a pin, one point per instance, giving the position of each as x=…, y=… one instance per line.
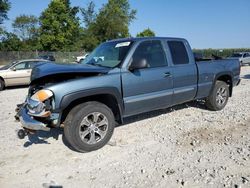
x=149, y=88
x=184, y=71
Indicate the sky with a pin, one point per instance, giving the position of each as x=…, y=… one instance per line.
x=205, y=24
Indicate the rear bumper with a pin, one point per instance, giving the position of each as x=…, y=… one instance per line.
x=28, y=121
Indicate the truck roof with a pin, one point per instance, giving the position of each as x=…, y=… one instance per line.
x=144, y=38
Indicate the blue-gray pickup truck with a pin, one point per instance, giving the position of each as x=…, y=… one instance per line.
x=121, y=78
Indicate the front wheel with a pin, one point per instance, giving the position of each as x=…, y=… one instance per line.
x=89, y=126
x=218, y=98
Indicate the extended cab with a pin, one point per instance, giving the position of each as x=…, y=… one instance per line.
x=122, y=78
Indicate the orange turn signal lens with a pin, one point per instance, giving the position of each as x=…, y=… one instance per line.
x=42, y=95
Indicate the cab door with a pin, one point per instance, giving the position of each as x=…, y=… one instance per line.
x=184, y=72
x=148, y=88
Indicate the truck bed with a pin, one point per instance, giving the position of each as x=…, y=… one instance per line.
x=209, y=70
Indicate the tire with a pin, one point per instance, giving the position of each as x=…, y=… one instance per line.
x=218, y=98
x=85, y=120
x=2, y=85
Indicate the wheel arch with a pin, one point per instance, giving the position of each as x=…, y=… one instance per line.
x=227, y=78
x=1, y=78
x=111, y=97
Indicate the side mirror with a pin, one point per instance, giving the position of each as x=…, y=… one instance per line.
x=138, y=64
x=13, y=69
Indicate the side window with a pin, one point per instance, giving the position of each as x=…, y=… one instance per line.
x=152, y=52
x=31, y=64
x=246, y=55
x=21, y=66
x=178, y=52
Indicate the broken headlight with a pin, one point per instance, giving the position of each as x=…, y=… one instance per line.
x=37, y=104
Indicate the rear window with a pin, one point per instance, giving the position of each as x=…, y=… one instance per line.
x=178, y=52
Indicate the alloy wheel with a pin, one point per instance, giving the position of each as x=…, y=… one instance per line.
x=93, y=128
x=221, y=96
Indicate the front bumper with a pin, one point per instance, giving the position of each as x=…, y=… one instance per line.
x=28, y=121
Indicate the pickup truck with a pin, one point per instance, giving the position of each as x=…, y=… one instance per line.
x=121, y=78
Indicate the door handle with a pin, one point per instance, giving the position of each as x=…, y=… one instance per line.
x=167, y=74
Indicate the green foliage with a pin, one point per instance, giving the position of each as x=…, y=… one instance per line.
x=4, y=8
x=26, y=26
x=60, y=27
x=113, y=20
x=146, y=33
x=10, y=42
x=89, y=41
x=89, y=14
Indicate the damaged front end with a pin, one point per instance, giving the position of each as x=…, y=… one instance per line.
x=41, y=110
x=36, y=113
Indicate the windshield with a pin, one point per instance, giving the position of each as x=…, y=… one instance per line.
x=109, y=54
x=7, y=66
x=236, y=55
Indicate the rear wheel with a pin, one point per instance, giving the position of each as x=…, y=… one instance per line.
x=218, y=98
x=1, y=84
x=89, y=126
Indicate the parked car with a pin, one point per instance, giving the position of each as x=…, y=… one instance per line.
x=132, y=76
x=243, y=57
x=80, y=58
x=47, y=57
x=17, y=73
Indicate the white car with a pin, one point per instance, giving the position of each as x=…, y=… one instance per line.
x=18, y=72
x=80, y=58
x=244, y=57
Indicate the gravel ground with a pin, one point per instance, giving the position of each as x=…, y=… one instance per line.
x=184, y=146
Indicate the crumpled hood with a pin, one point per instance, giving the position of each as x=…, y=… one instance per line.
x=49, y=69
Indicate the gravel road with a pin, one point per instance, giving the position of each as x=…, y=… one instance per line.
x=184, y=146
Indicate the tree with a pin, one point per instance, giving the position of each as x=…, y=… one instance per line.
x=26, y=26
x=113, y=20
x=10, y=42
x=4, y=8
x=60, y=27
x=146, y=33
x=89, y=14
